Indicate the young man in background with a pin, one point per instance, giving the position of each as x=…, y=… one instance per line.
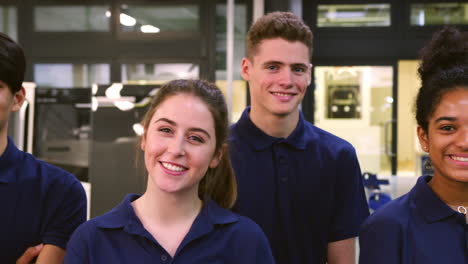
x=301, y=184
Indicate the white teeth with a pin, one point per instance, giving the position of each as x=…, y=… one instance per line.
x=465, y=159
x=172, y=167
x=281, y=94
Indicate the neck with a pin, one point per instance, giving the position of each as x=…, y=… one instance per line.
x=3, y=141
x=167, y=208
x=280, y=126
x=450, y=192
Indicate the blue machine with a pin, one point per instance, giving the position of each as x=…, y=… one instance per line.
x=376, y=197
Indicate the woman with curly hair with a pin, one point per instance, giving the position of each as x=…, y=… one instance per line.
x=430, y=223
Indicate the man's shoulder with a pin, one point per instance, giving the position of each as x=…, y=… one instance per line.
x=32, y=168
x=324, y=139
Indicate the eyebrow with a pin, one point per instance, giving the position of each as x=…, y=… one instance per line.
x=196, y=129
x=445, y=118
x=282, y=63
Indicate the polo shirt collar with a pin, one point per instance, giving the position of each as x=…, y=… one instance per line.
x=8, y=159
x=259, y=140
x=123, y=216
x=427, y=202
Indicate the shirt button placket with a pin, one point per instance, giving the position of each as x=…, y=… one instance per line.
x=164, y=258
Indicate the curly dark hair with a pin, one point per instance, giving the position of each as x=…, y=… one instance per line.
x=444, y=67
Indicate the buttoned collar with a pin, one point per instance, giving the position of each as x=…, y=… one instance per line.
x=123, y=216
x=259, y=140
x=9, y=158
x=428, y=203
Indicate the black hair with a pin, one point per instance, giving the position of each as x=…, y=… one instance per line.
x=12, y=63
x=444, y=67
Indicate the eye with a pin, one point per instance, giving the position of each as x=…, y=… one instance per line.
x=447, y=128
x=165, y=130
x=298, y=69
x=272, y=67
x=196, y=139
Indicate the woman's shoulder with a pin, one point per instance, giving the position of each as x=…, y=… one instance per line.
x=393, y=215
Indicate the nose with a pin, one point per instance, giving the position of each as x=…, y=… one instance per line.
x=176, y=146
x=286, y=78
x=462, y=139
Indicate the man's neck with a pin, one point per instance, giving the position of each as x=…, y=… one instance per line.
x=275, y=125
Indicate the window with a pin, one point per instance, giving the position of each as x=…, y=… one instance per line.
x=367, y=15
x=148, y=73
x=8, y=23
x=239, y=93
x=159, y=18
x=71, y=18
x=439, y=14
x=68, y=75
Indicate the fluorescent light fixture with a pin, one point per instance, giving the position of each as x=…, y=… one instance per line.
x=124, y=105
x=127, y=20
x=113, y=92
x=94, y=104
x=94, y=88
x=138, y=129
x=149, y=29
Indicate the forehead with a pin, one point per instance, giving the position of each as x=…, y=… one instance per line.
x=279, y=49
x=185, y=109
x=453, y=102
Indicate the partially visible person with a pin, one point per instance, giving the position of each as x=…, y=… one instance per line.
x=430, y=223
x=301, y=184
x=183, y=216
x=41, y=205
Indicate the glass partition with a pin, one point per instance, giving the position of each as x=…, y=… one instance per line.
x=8, y=24
x=68, y=75
x=425, y=14
x=117, y=111
x=356, y=15
x=71, y=18
x=239, y=95
x=151, y=73
x=159, y=18
x=355, y=103
x=62, y=128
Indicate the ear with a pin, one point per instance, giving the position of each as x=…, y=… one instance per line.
x=423, y=138
x=217, y=157
x=18, y=98
x=246, y=65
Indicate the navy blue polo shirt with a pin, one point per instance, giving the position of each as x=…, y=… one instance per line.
x=216, y=236
x=39, y=203
x=415, y=228
x=304, y=191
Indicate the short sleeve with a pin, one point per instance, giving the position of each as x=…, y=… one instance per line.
x=350, y=206
x=379, y=241
x=68, y=213
x=77, y=247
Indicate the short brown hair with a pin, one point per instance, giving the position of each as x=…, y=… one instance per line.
x=219, y=183
x=283, y=25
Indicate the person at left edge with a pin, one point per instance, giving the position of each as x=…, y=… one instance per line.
x=41, y=205
x=183, y=215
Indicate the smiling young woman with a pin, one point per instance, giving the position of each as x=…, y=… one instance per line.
x=183, y=216
x=428, y=225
